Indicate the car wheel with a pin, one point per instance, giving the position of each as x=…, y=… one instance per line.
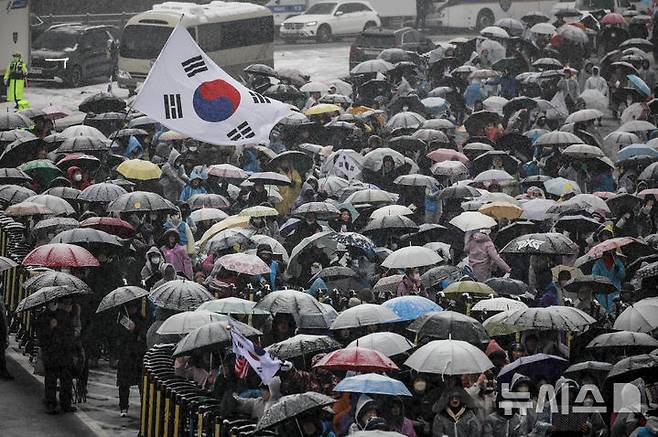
x=485, y=19
x=324, y=33
x=75, y=77
x=369, y=24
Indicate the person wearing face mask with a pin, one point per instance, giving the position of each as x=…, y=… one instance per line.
x=151, y=271
x=366, y=410
x=264, y=252
x=261, y=226
x=175, y=221
x=455, y=416
x=74, y=175
x=411, y=284
x=175, y=254
x=344, y=222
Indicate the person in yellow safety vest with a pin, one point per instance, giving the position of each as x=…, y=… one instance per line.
x=15, y=79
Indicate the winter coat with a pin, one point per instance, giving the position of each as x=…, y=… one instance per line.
x=173, y=178
x=482, y=256
x=255, y=408
x=468, y=425
x=497, y=425
x=151, y=273
x=190, y=191
x=57, y=344
x=364, y=401
x=134, y=145
x=616, y=274
x=185, y=234
x=131, y=349
x=474, y=92
x=408, y=287
x=177, y=256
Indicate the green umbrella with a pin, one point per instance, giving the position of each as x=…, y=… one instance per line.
x=43, y=170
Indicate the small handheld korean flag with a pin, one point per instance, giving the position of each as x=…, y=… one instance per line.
x=187, y=92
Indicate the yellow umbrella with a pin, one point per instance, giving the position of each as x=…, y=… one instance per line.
x=356, y=110
x=139, y=169
x=234, y=221
x=322, y=108
x=501, y=210
x=172, y=135
x=259, y=211
x=470, y=287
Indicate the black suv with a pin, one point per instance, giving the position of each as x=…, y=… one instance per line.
x=372, y=41
x=72, y=53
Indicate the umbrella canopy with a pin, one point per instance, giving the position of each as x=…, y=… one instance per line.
x=6, y=263
x=12, y=194
x=411, y=307
x=549, y=243
x=140, y=201
x=14, y=120
x=633, y=367
x=49, y=294
x=139, y=169
x=625, y=339
x=508, y=287
x=535, y=209
x=449, y=325
x=584, y=115
x=188, y=321
x=57, y=205
x=25, y=208
x=211, y=215
x=180, y=295
x=501, y=210
x=389, y=211
x=558, y=138
x=538, y=366
x=641, y=316
x=449, y=357
x=91, y=239
x=588, y=366
x=470, y=287
x=212, y=335
x=208, y=200
x=497, y=304
x=292, y=302
x=372, y=383
x=60, y=255
x=269, y=178
x=302, y=345
x=322, y=210
x=473, y=220
x=102, y=102
x=288, y=407
x=612, y=244
x=244, y=263
x=101, y=193
x=556, y=318
x=386, y=343
x=231, y=305
x=111, y=225
x=366, y=314
x=410, y=257
x=599, y=283
x=120, y=296
x=372, y=66
x=227, y=171
x=357, y=359
x=53, y=278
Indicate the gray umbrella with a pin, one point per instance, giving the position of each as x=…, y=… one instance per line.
x=6, y=263
x=302, y=345
x=56, y=225
x=386, y=343
x=121, y=296
x=180, y=295
x=449, y=357
x=140, y=201
x=625, y=339
x=101, y=193
x=322, y=210
x=12, y=194
x=391, y=223
x=292, y=302
x=449, y=324
x=49, y=294
x=212, y=335
x=52, y=278
x=288, y=407
x=364, y=315
x=541, y=244
x=387, y=284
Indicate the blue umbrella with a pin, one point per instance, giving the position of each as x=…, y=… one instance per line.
x=373, y=383
x=633, y=150
x=639, y=84
x=536, y=366
x=411, y=307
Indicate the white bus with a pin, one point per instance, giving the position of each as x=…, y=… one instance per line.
x=234, y=35
x=478, y=14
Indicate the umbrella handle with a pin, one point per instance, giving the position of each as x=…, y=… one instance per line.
x=444, y=369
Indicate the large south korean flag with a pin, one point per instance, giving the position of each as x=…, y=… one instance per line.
x=187, y=92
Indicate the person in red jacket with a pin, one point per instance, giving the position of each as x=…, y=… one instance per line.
x=75, y=176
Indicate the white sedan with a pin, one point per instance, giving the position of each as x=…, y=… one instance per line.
x=324, y=20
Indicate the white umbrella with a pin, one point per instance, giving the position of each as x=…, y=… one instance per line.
x=584, y=115
x=594, y=99
x=371, y=196
x=314, y=87
x=390, y=210
x=473, y=220
x=449, y=357
x=363, y=315
x=543, y=29
x=188, y=321
x=535, y=209
x=637, y=126
x=641, y=316
x=386, y=343
x=499, y=176
x=495, y=104
x=495, y=32
x=410, y=257
x=495, y=50
x=499, y=304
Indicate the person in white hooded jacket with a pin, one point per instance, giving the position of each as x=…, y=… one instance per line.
x=596, y=82
x=269, y=395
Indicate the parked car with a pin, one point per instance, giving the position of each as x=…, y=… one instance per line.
x=326, y=20
x=370, y=43
x=72, y=53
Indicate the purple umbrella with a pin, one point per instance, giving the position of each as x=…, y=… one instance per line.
x=536, y=366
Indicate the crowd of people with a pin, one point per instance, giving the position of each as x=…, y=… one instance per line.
x=424, y=239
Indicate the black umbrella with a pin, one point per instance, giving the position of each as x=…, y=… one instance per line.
x=595, y=367
x=599, y=283
x=514, y=230
x=140, y=201
x=143, y=122
x=269, y=178
x=12, y=194
x=180, y=295
x=512, y=64
x=121, y=296
x=427, y=233
x=127, y=133
x=623, y=339
x=479, y=119
x=579, y=223
x=647, y=271
x=13, y=120
x=631, y=368
x=49, y=294
x=484, y=161
x=67, y=193
x=518, y=103
x=12, y=175
x=541, y=244
x=9, y=136
x=261, y=69
x=622, y=203
x=55, y=225
x=445, y=325
x=52, y=279
x=91, y=239
x=21, y=150
x=406, y=142
x=302, y=345
x=83, y=144
x=459, y=192
x=102, y=102
x=208, y=200
x=101, y=193
x=436, y=275
x=508, y=286
x=291, y=406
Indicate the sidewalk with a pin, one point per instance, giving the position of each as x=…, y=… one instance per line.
x=22, y=414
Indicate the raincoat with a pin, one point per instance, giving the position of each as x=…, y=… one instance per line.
x=173, y=178
x=190, y=191
x=462, y=423
x=79, y=185
x=151, y=272
x=255, y=408
x=134, y=146
x=184, y=233
x=177, y=255
x=363, y=402
x=15, y=79
x=596, y=82
x=497, y=425
x=482, y=256
x=289, y=193
x=474, y=92
x=616, y=273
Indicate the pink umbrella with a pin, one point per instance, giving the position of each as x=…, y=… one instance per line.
x=610, y=245
x=605, y=195
x=440, y=155
x=613, y=18
x=60, y=255
x=244, y=263
x=358, y=359
x=55, y=112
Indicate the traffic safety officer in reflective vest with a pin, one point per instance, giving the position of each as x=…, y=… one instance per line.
x=15, y=78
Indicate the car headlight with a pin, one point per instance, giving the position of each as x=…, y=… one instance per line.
x=312, y=23
x=63, y=60
x=123, y=75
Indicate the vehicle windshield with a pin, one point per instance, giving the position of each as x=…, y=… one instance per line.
x=378, y=41
x=593, y=5
x=143, y=42
x=321, y=9
x=56, y=40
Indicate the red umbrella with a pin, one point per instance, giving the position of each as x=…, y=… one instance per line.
x=610, y=245
x=613, y=18
x=358, y=359
x=60, y=255
x=80, y=160
x=440, y=155
x=111, y=225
